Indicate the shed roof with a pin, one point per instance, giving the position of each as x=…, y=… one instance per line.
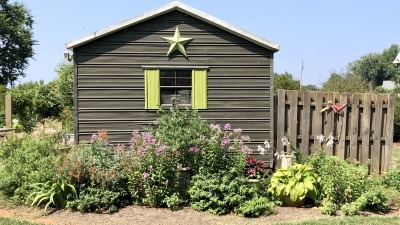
x=176, y=5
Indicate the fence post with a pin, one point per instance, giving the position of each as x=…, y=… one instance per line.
x=8, y=111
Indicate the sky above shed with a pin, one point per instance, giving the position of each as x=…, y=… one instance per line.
x=325, y=35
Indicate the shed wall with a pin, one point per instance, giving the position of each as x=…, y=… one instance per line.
x=110, y=77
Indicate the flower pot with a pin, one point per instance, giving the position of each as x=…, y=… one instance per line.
x=254, y=182
x=288, y=202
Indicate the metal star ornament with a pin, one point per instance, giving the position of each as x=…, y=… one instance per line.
x=177, y=43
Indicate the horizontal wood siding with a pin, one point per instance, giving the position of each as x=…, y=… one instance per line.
x=110, y=77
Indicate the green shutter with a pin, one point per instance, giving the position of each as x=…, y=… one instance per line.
x=152, y=88
x=199, y=86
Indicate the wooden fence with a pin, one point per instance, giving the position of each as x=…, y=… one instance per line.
x=362, y=131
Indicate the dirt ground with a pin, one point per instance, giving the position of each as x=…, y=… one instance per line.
x=143, y=215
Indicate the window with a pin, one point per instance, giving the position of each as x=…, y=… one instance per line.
x=161, y=85
x=176, y=84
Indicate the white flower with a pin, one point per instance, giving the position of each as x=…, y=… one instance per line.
x=320, y=138
x=267, y=144
x=329, y=144
x=261, y=150
x=285, y=141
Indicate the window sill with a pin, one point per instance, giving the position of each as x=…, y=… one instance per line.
x=180, y=106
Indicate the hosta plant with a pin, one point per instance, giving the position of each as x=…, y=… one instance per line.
x=296, y=182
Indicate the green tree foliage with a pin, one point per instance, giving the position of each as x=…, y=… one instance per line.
x=310, y=87
x=376, y=67
x=65, y=83
x=34, y=102
x=285, y=81
x=65, y=89
x=345, y=82
x=16, y=41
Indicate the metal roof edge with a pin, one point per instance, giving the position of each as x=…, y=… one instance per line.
x=176, y=5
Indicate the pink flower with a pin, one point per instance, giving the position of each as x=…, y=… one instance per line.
x=161, y=149
x=237, y=130
x=145, y=175
x=194, y=149
x=94, y=137
x=225, y=141
x=227, y=126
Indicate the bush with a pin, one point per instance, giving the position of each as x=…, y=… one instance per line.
x=254, y=207
x=375, y=200
x=391, y=178
x=152, y=171
x=221, y=193
x=26, y=160
x=183, y=130
x=95, y=170
x=341, y=182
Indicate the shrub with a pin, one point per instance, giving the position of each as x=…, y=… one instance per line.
x=222, y=193
x=25, y=160
x=152, y=170
x=341, y=182
x=95, y=170
x=375, y=200
x=254, y=207
x=183, y=130
x=391, y=178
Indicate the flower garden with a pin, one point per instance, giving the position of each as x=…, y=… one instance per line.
x=184, y=161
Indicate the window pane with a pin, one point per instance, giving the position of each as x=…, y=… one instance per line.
x=167, y=82
x=167, y=73
x=183, y=73
x=184, y=82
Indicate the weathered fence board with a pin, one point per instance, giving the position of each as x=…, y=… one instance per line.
x=362, y=131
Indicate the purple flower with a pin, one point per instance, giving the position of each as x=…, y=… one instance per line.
x=227, y=126
x=215, y=127
x=212, y=139
x=194, y=149
x=225, y=141
x=237, y=130
x=145, y=175
x=94, y=137
x=203, y=138
x=161, y=149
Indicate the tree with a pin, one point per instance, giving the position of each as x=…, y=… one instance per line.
x=310, y=87
x=285, y=81
x=346, y=82
x=65, y=89
x=16, y=41
x=376, y=67
x=34, y=102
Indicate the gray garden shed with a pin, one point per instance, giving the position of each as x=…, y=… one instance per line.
x=125, y=72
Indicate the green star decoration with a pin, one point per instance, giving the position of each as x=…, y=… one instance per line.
x=177, y=43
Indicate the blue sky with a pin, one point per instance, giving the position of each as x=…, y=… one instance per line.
x=325, y=35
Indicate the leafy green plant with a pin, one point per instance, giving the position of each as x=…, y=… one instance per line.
x=96, y=199
x=172, y=201
x=25, y=160
x=96, y=170
x=391, y=178
x=151, y=170
x=341, y=182
x=296, y=181
x=255, y=207
x=52, y=194
x=221, y=193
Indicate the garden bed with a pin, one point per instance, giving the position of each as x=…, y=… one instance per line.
x=143, y=215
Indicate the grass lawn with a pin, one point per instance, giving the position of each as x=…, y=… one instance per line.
x=374, y=220
x=7, y=221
